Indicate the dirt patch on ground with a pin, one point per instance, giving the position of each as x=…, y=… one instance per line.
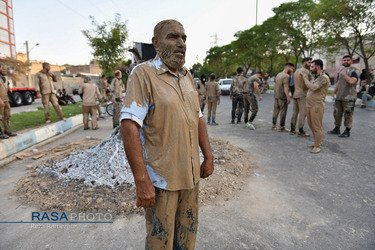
x=232, y=165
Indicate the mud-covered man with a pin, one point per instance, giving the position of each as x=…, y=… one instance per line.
x=236, y=95
x=213, y=99
x=5, y=113
x=116, y=90
x=162, y=129
x=316, y=94
x=45, y=80
x=250, y=101
x=282, y=98
x=299, y=98
x=346, y=95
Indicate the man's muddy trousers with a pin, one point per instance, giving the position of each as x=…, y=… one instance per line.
x=172, y=222
x=346, y=109
x=250, y=101
x=280, y=106
x=315, y=121
x=298, y=109
x=237, y=100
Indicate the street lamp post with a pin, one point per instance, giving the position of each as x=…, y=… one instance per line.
x=28, y=62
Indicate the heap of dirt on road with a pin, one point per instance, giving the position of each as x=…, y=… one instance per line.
x=46, y=191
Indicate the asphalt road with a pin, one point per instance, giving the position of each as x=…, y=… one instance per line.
x=294, y=200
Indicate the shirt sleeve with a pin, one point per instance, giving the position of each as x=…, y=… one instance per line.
x=125, y=115
x=137, y=100
x=354, y=74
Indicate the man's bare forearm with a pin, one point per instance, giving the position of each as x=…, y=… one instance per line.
x=133, y=150
x=203, y=139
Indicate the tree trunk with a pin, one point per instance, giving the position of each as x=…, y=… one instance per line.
x=365, y=59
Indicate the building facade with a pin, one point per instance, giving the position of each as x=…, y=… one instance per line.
x=7, y=37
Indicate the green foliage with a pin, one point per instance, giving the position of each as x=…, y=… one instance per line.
x=32, y=119
x=108, y=42
x=349, y=25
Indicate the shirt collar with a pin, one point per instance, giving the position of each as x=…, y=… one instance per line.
x=161, y=68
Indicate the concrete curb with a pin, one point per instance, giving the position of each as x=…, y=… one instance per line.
x=28, y=139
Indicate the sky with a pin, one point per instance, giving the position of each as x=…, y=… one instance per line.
x=57, y=24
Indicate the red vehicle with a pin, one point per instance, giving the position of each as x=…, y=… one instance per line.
x=22, y=96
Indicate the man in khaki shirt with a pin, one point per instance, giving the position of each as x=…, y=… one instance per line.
x=89, y=92
x=236, y=95
x=346, y=95
x=282, y=99
x=162, y=129
x=250, y=101
x=116, y=89
x=316, y=95
x=299, y=98
x=213, y=99
x=5, y=113
x=45, y=81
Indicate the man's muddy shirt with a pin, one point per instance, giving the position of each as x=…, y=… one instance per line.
x=300, y=89
x=249, y=86
x=4, y=90
x=168, y=107
x=317, y=90
x=237, y=85
x=282, y=80
x=212, y=88
x=45, y=82
x=346, y=89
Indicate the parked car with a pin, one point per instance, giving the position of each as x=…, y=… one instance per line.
x=224, y=86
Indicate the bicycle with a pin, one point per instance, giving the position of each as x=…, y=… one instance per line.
x=109, y=108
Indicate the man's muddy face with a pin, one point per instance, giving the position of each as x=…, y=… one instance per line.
x=346, y=62
x=308, y=64
x=313, y=69
x=171, y=45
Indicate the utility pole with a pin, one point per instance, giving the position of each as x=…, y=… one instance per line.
x=256, y=15
x=28, y=65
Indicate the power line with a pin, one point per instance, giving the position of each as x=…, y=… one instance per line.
x=67, y=6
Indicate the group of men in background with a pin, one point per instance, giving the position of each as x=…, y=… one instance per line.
x=243, y=93
x=310, y=89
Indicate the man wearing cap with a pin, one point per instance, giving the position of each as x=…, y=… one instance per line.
x=45, y=81
x=162, y=129
x=89, y=92
x=299, y=98
x=236, y=96
x=116, y=89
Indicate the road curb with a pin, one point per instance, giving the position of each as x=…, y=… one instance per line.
x=22, y=141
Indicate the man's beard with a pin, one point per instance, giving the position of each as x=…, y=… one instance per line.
x=346, y=65
x=314, y=72
x=170, y=58
x=307, y=67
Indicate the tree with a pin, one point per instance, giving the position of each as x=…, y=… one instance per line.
x=108, y=42
x=351, y=24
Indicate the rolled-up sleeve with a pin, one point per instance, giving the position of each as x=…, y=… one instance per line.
x=136, y=103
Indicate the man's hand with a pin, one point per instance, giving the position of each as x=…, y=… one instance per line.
x=230, y=97
x=145, y=192
x=218, y=102
x=260, y=98
x=207, y=167
x=2, y=103
x=287, y=100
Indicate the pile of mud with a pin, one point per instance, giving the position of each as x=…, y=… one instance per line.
x=45, y=188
